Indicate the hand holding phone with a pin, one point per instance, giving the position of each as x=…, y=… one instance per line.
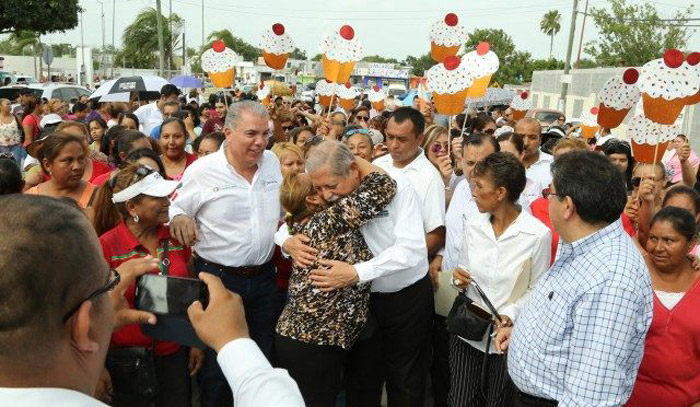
x=166, y=295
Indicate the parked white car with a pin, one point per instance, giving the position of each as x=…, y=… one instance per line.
x=67, y=93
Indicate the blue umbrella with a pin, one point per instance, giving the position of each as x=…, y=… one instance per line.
x=184, y=81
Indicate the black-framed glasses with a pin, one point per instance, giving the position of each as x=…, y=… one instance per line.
x=363, y=118
x=547, y=192
x=287, y=128
x=114, y=279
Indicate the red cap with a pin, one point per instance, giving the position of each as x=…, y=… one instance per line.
x=594, y=110
x=630, y=76
x=451, y=62
x=348, y=85
x=693, y=58
x=278, y=29
x=347, y=32
x=451, y=19
x=673, y=58
x=219, y=46
x=376, y=88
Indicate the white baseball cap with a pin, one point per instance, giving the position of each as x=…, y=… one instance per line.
x=152, y=185
x=51, y=118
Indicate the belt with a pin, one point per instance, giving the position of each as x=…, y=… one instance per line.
x=243, y=271
x=533, y=401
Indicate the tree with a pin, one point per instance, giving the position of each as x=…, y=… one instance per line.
x=317, y=57
x=31, y=40
x=632, y=35
x=420, y=64
x=298, y=54
x=39, y=16
x=238, y=45
x=380, y=59
x=550, y=25
x=67, y=50
x=140, y=39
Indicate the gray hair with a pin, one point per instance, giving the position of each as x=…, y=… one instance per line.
x=332, y=153
x=235, y=110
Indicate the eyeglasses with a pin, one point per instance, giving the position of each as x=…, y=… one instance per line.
x=547, y=192
x=439, y=146
x=287, y=128
x=363, y=118
x=114, y=279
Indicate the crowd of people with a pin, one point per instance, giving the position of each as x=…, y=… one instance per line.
x=339, y=231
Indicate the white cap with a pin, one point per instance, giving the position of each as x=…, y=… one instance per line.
x=376, y=136
x=51, y=118
x=152, y=185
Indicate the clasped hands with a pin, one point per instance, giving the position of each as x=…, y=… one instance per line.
x=332, y=275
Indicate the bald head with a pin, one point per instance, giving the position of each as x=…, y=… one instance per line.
x=531, y=132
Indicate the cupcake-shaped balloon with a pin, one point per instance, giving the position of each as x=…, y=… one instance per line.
x=693, y=61
x=325, y=90
x=276, y=46
x=589, y=123
x=347, y=94
x=482, y=63
x=376, y=97
x=666, y=84
x=264, y=95
x=649, y=139
x=219, y=63
x=449, y=81
x=340, y=52
x=618, y=96
x=520, y=104
x=446, y=36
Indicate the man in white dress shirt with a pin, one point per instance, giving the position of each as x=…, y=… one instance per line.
x=229, y=207
x=536, y=162
x=151, y=115
x=59, y=309
x=402, y=300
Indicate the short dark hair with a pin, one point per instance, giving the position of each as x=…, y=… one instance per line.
x=216, y=136
x=478, y=139
x=404, y=113
x=596, y=186
x=505, y=171
x=129, y=116
x=171, y=103
x=11, y=181
x=169, y=90
x=125, y=143
x=149, y=153
x=294, y=133
x=480, y=121
x=42, y=278
x=515, y=139
x=680, y=219
x=79, y=107
x=686, y=191
x=179, y=122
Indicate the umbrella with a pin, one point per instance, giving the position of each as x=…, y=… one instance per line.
x=119, y=90
x=184, y=81
x=494, y=96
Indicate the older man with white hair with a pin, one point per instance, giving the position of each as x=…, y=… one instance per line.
x=228, y=207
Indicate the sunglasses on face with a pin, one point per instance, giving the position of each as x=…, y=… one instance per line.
x=363, y=118
x=439, y=146
x=287, y=128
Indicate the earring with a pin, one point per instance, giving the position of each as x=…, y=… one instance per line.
x=136, y=218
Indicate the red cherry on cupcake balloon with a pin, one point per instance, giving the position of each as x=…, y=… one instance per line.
x=278, y=29
x=376, y=88
x=673, y=58
x=693, y=58
x=347, y=32
x=348, y=85
x=451, y=62
x=594, y=110
x=219, y=46
x=630, y=76
x=523, y=95
x=483, y=48
x=451, y=19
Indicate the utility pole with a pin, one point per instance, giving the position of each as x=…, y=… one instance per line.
x=170, y=34
x=580, y=41
x=161, y=57
x=102, y=54
x=567, y=61
x=83, y=68
x=114, y=14
x=202, y=23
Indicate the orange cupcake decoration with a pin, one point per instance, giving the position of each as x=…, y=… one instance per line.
x=276, y=46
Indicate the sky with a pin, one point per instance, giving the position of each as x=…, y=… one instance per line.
x=391, y=28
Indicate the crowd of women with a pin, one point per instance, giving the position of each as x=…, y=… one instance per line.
x=496, y=215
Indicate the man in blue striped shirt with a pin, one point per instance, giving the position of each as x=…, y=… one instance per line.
x=580, y=338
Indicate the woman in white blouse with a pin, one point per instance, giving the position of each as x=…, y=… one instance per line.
x=505, y=250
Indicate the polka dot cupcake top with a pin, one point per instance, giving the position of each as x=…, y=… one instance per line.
x=263, y=92
x=621, y=92
x=346, y=91
x=342, y=46
x=325, y=88
x=276, y=41
x=644, y=131
x=589, y=117
x=521, y=101
x=669, y=77
x=376, y=94
x=482, y=61
x=219, y=58
x=451, y=76
x=448, y=32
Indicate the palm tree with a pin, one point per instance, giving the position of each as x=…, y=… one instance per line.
x=550, y=25
x=238, y=45
x=140, y=39
x=28, y=39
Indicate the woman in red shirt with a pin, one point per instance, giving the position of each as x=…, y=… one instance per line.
x=173, y=137
x=668, y=375
x=140, y=195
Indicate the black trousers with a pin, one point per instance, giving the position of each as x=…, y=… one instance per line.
x=173, y=383
x=317, y=369
x=398, y=351
x=524, y=400
x=467, y=388
x=440, y=366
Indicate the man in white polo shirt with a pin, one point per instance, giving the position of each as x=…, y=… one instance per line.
x=233, y=195
x=151, y=115
x=536, y=162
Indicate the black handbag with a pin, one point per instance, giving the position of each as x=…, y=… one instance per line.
x=468, y=320
x=133, y=373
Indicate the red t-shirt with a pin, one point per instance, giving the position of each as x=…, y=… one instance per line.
x=32, y=120
x=120, y=245
x=212, y=125
x=669, y=375
x=189, y=159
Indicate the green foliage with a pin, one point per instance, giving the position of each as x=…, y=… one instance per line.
x=419, y=65
x=631, y=35
x=513, y=65
x=39, y=16
x=238, y=45
x=65, y=50
x=298, y=54
x=140, y=39
x=317, y=57
x=380, y=59
x=550, y=25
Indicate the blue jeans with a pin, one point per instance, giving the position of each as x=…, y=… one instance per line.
x=18, y=153
x=260, y=300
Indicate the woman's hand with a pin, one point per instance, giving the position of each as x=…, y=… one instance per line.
x=647, y=190
x=461, y=277
x=457, y=149
x=196, y=360
x=632, y=210
x=297, y=247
